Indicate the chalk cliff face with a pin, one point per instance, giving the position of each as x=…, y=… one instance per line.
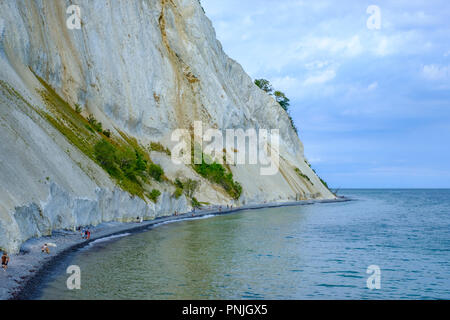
x=142, y=68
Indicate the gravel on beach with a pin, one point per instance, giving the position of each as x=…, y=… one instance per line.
x=27, y=264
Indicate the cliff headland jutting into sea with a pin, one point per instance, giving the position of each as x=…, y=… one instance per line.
x=87, y=116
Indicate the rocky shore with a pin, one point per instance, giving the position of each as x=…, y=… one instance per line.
x=26, y=268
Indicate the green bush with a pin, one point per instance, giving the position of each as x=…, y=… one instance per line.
x=78, y=108
x=156, y=172
x=105, y=153
x=156, y=146
x=282, y=100
x=95, y=124
x=304, y=176
x=140, y=163
x=154, y=195
x=265, y=85
x=107, y=133
x=178, y=193
x=190, y=187
x=195, y=203
x=178, y=183
x=89, y=128
x=217, y=173
x=124, y=164
x=98, y=127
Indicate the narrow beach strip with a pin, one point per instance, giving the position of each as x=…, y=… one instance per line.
x=29, y=266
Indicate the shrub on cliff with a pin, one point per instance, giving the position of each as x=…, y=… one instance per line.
x=105, y=154
x=282, y=100
x=217, y=173
x=78, y=109
x=265, y=85
x=190, y=187
x=178, y=193
x=154, y=195
x=107, y=133
x=178, y=183
x=123, y=163
x=156, y=146
x=156, y=172
x=95, y=124
x=140, y=163
x=195, y=203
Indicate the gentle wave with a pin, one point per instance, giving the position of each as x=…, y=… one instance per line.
x=184, y=219
x=106, y=239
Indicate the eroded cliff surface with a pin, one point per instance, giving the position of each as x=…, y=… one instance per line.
x=142, y=69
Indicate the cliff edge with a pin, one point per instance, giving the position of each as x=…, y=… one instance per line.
x=133, y=72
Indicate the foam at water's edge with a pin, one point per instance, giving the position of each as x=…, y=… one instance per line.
x=106, y=239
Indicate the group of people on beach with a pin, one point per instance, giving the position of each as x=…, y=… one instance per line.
x=85, y=233
x=6, y=259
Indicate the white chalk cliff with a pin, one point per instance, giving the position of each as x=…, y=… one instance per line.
x=142, y=68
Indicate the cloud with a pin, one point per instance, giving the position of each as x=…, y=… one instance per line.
x=317, y=65
x=286, y=83
x=436, y=72
x=344, y=80
x=373, y=86
x=320, y=78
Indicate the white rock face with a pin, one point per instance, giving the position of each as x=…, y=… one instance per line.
x=143, y=67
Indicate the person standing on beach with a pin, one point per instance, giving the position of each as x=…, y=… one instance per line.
x=5, y=260
x=45, y=249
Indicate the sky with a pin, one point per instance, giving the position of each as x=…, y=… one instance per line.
x=369, y=93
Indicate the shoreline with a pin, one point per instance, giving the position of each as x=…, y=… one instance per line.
x=27, y=268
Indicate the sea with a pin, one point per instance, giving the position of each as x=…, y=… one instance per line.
x=383, y=244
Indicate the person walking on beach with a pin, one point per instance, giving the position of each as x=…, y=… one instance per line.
x=5, y=260
x=45, y=249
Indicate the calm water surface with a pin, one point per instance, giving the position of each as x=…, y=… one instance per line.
x=320, y=251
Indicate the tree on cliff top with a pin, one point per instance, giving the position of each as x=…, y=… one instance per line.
x=265, y=85
x=279, y=96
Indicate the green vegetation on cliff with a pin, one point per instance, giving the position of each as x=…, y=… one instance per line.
x=121, y=157
x=279, y=97
x=304, y=176
x=217, y=173
x=321, y=180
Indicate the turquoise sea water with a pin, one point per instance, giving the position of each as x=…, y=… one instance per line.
x=319, y=251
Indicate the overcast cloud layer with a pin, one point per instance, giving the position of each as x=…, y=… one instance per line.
x=372, y=106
